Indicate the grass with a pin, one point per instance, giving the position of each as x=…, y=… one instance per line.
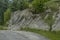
x=3, y=28
x=51, y=35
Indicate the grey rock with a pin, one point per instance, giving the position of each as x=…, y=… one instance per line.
x=25, y=18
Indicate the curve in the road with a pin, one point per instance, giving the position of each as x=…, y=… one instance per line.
x=20, y=35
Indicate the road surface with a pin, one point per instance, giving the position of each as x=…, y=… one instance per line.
x=20, y=35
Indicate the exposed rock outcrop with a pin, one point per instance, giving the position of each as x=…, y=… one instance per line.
x=25, y=18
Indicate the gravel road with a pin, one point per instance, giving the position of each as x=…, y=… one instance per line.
x=20, y=35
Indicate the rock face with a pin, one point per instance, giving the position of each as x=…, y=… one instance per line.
x=57, y=24
x=20, y=35
x=25, y=18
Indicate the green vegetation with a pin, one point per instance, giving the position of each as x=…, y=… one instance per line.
x=51, y=35
x=50, y=21
x=19, y=5
x=3, y=6
x=3, y=28
x=39, y=5
x=7, y=15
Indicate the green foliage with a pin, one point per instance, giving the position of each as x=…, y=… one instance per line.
x=50, y=21
x=52, y=5
x=7, y=15
x=3, y=6
x=3, y=28
x=14, y=5
x=19, y=5
x=24, y=5
x=39, y=5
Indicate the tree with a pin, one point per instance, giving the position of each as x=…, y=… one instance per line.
x=50, y=20
x=52, y=5
x=38, y=6
x=19, y=5
x=54, y=8
x=3, y=7
x=7, y=15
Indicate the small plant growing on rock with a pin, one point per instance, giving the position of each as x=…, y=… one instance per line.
x=50, y=21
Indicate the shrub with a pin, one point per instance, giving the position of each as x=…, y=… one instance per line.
x=19, y=5
x=52, y=5
x=24, y=5
x=38, y=6
x=7, y=15
x=50, y=21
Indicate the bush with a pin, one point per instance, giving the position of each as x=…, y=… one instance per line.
x=19, y=5
x=50, y=21
x=38, y=6
x=52, y=5
x=7, y=15
x=24, y=5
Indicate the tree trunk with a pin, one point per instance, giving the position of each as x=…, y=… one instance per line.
x=50, y=28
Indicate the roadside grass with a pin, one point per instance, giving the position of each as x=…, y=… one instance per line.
x=3, y=28
x=54, y=35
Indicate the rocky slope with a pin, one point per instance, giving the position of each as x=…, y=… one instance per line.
x=25, y=18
